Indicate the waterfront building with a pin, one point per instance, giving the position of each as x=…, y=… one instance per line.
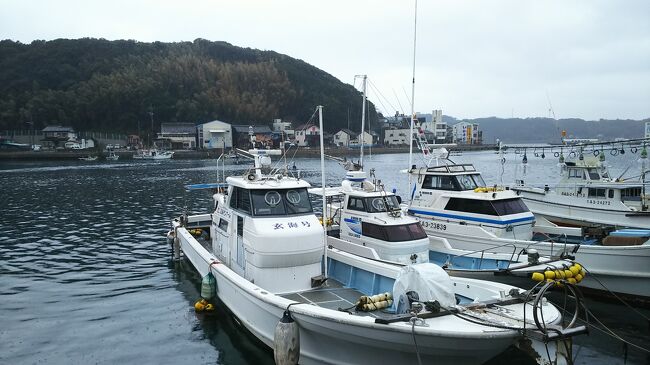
x=307, y=135
x=343, y=137
x=178, y=135
x=214, y=134
x=241, y=136
x=467, y=133
x=56, y=136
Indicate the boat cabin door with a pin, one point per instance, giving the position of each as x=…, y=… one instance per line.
x=237, y=256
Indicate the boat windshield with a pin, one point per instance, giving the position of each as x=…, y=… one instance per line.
x=593, y=174
x=453, y=183
x=378, y=204
x=470, y=182
x=402, y=232
x=280, y=202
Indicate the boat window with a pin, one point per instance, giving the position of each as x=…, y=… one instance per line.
x=596, y=193
x=610, y=193
x=466, y=182
x=404, y=232
x=593, y=174
x=378, y=204
x=631, y=194
x=478, y=180
x=471, y=206
x=280, y=202
x=223, y=225
x=440, y=183
x=577, y=173
x=356, y=204
x=240, y=200
x=605, y=175
x=509, y=206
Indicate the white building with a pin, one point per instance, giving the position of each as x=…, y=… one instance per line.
x=343, y=137
x=647, y=129
x=466, y=133
x=306, y=135
x=214, y=134
x=397, y=137
x=365, y=138
x=284, y=129
x=434, y=124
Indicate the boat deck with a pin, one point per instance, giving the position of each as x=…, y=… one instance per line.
x=332, y=295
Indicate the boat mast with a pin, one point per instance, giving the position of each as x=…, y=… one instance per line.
x=363, y=118
x=415, y=29
x=322, y=169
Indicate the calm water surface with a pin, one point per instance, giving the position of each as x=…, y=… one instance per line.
x=86, y=275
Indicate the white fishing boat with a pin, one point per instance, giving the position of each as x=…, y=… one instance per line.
x=587, y=194
x=112, y=156
x=88, y=158
x=453, y=202
x=153, y=154
x=305, y=300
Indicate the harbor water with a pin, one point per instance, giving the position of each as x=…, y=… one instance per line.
x=86, y=275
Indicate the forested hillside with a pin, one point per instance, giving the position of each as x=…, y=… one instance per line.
x=95, y=84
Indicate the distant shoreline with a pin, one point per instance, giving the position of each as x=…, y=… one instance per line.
x=213, y=154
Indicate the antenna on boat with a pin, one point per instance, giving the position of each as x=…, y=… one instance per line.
x=322, y=169
x=415, y=32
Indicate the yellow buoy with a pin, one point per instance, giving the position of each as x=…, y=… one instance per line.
x=577, y=265
x=209, y=307
x=568, y=274
x=578, y=277
x=575, y=270
x=559, y=274
x=199, y=306
x=583, y=273
x=571, y=280
x=537, y=276
x=549, y=274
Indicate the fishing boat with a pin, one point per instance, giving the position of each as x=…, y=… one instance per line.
x=453, y=202
x=312, y=303
x=587, y=194
x=153, y=154
x=88, y=158
x=112, y=156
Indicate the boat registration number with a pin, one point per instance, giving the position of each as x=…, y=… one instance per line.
x=434, y=225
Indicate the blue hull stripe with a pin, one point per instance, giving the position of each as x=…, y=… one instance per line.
x=462, y=217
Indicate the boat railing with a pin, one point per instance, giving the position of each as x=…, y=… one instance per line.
x=482, y=252
x=553, y=242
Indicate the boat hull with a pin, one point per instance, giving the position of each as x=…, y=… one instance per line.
x=622, y=269
x=573, y=211
x=334, y=337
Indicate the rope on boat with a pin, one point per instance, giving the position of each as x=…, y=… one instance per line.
x=616, y=296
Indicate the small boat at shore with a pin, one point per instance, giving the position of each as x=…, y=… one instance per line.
x=153, y=154
x=88, y=158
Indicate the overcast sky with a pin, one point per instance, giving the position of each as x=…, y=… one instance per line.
x=590, y=58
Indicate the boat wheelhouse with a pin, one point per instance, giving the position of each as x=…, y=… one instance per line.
x=454, y=198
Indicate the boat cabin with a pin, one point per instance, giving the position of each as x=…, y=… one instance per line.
x=264, y=229
x=456, y=194
x=362, y=213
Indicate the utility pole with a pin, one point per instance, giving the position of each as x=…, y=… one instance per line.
x=151, y=116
